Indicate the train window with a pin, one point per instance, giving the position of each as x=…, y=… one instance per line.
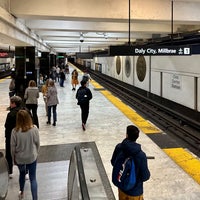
x=118, y=65
x=128, y=66
x=141, y=68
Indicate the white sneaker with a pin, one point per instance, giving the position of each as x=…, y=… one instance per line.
x=20, y=195
x=26, y=177
x=10, y=176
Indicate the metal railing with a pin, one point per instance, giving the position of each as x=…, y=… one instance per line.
x=85, y=182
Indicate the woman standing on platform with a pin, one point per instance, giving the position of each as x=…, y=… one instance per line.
x=74, y=79
x=31, y=96
x=52, y=101
x=25, y=144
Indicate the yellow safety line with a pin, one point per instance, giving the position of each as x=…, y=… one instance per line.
x=96, y=85
x=143, y=124
x=186, y=161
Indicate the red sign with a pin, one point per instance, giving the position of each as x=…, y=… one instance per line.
x=6, y=54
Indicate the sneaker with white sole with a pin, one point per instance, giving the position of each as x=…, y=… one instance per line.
x=10, y=176
x=26, y=177
x=20, y=195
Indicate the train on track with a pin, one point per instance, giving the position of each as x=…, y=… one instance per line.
x=5, y=70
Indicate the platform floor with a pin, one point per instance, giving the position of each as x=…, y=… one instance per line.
x=106, y=127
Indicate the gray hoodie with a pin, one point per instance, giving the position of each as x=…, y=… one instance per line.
x=31, y=95
x=25, y=145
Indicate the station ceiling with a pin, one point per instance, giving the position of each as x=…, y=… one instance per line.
x=90, y=25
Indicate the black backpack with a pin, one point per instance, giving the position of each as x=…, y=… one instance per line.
x=82, y=96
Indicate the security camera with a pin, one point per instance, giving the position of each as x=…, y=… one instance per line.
x=81, y=38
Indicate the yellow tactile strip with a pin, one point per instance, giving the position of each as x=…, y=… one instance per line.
x=186, y=161
x=143, y=124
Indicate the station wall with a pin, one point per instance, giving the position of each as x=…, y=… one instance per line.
x=176, y=78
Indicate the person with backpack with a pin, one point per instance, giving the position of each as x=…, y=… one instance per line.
x=128, y=148
x=84, y=96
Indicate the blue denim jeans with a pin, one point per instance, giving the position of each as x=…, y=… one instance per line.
x=54, y=113
x=32, y=175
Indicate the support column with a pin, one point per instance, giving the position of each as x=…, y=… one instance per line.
x=25, y=68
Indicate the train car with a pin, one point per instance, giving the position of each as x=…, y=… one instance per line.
x=5, y=70
x=6, y=63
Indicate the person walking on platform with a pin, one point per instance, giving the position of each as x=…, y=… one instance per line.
x=52, y=101
x=86, y=77
x=62, y=78
x=10, y=123
x=31, y=96
x=12, y=87
x=44, y=92
x=25, y=144
x=84, y=96
x=58, y=74
x=129, y=148
x=74, y=80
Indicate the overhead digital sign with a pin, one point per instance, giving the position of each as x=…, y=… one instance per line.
x=84, y=55
x=149, y=51
x=6, y=54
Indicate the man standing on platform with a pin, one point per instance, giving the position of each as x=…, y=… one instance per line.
x=10, y=123
x=129, y=148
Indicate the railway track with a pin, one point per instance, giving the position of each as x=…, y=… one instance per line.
x=183, y=129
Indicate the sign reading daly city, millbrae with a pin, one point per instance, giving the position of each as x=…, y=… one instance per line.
x=151, y=51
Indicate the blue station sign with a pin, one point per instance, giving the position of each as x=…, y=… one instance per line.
x=150, y=51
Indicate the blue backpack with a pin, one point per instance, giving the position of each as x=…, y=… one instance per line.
x=123, y=174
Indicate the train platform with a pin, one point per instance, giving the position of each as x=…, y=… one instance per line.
x=173, y=177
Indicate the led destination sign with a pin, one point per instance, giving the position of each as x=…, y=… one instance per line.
x=6, y=54
x=151, y=51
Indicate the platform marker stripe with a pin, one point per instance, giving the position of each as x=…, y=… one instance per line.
x=189, y=163
x=143, y=124
x=96, y=85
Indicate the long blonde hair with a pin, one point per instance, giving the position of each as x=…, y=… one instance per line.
x=23, y=121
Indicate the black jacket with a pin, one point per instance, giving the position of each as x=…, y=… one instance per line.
x=133, y=149
x=10, y=122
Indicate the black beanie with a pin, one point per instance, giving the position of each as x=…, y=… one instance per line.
x=83, y=83
x=132, y=132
